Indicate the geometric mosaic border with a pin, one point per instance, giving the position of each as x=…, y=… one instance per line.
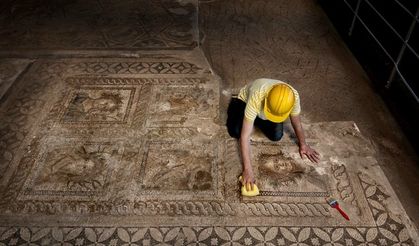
x=201, y=236
x=389, y=230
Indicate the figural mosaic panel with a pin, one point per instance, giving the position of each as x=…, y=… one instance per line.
x=73, y=168
x=99, y=105
x=283, y=174
x=182, y=105
x=181, y=169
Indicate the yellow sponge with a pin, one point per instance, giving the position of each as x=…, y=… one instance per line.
x=249, y=192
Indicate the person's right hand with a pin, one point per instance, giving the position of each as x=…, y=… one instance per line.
x=248, y=179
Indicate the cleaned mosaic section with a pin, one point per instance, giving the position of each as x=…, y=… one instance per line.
x=283, y=177
x=156, y=24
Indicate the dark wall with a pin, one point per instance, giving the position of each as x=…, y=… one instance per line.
x=384, y=37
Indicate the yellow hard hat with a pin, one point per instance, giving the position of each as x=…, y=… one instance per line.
x=279, y=103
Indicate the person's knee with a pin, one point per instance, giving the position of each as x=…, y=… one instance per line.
x=276, y=136
x=235, y=114
x=234, y=132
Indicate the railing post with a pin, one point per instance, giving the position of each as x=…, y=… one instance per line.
x=355, y=17
x=400, y=56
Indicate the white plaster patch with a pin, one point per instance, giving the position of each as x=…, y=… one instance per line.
x=335, y=160
x=320, y=170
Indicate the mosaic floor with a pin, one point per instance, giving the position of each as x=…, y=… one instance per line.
x=134, y=151
x=98, y=24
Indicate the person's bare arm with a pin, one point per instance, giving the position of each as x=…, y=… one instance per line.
x=248, y=177
x=305, y=150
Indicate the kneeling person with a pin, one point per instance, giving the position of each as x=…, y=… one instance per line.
x=266, y=103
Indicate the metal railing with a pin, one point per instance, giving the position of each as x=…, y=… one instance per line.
x=406, y=45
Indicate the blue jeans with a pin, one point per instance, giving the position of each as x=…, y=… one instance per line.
x=235, y=115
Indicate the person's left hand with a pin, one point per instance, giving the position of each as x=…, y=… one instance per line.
x=311, y=154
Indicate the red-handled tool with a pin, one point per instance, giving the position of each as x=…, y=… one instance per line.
x=334, y=204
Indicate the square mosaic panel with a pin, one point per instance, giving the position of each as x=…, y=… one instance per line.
x=73, y=168
x=283, y=177
x=282, y=174
x=177, y=170
x=98, y=105
x=180, y=104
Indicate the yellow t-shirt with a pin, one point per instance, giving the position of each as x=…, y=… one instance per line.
x=254, y=95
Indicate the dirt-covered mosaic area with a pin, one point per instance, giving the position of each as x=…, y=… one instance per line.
x=97, y=25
